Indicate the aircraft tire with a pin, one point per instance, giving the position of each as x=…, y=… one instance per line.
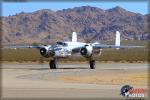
x=92, y=64
x=52, y=64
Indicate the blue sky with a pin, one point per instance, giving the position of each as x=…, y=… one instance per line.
x=13, y=8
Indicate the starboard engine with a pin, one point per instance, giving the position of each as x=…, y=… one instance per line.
x=45, y=52
x=86, y=51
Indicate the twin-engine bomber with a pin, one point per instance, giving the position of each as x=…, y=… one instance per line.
x=65, y=49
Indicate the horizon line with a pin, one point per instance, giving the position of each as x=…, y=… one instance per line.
x=72, y=8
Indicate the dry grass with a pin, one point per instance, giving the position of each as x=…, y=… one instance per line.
x=125, y=55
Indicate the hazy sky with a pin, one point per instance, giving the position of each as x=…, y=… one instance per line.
x=13, y=8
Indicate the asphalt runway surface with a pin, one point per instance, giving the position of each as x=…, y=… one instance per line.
x=71, y=80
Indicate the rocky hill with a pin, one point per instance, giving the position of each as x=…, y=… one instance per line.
x=91, y=24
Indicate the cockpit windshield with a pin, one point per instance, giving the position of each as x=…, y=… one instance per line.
x=61, y=43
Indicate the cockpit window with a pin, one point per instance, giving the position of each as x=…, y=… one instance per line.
x=61, y=43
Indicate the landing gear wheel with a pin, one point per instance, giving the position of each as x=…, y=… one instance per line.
x=53, y=64
x=92, y=64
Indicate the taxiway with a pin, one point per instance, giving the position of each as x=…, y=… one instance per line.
x=75, y=80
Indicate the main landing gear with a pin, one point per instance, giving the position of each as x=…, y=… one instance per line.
x=92, y=64
x=53, y=64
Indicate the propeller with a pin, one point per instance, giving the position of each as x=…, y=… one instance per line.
x=41, y=58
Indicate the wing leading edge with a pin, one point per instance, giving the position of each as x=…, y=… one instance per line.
x=28, y=46
x=99, y=46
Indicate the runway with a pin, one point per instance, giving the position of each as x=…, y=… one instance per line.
x=71, y=80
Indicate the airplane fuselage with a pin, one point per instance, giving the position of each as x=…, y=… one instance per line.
x=66, y=50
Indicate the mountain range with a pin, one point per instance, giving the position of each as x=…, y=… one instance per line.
x=90, y=23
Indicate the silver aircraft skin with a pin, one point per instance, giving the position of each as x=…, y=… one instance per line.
x=63, y=49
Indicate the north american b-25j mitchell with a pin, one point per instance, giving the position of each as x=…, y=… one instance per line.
x=67, y=48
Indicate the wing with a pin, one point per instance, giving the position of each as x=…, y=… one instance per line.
x=27, y=46
x=100, y=46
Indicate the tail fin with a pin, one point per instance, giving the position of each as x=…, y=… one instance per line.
x=117, y=41
x=74, y=37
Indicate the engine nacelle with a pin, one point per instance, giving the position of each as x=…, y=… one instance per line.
x=86, y=51
x=45, y=52
x=97, y=52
